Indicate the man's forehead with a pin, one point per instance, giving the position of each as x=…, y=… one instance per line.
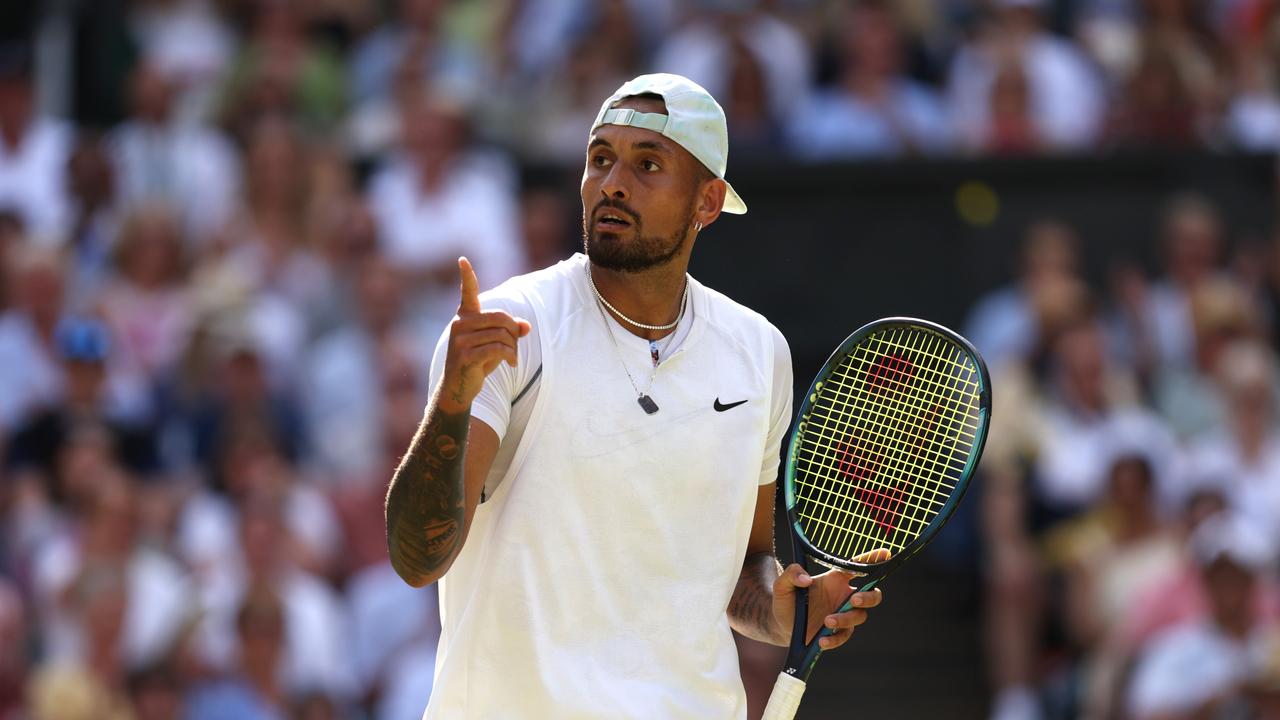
x=622, y=136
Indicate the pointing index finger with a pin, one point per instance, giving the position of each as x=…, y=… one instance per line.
x=470, y=289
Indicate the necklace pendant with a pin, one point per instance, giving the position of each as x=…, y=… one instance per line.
x=647, y=404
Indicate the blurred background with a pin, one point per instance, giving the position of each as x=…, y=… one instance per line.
x=227, y=240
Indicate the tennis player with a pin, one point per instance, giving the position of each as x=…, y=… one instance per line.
x=595, y=469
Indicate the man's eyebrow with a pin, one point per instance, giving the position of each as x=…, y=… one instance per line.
x=598, y=141
x=652, y=145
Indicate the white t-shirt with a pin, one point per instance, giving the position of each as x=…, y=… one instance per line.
x=596, y=575
x=1184, y=668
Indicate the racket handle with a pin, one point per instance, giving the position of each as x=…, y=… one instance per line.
x=785, y=699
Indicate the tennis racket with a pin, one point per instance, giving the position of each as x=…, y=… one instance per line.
x=883, y=449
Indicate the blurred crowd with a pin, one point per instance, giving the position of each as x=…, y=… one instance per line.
x=1131, y=482
x=227, y=241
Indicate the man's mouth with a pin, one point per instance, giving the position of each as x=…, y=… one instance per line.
x=611, y=221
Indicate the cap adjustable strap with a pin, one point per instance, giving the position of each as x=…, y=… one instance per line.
x=656, y=122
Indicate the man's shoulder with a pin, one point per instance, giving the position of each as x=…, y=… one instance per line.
x=730, y=314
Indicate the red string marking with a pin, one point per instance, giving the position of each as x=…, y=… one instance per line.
x=889, y=373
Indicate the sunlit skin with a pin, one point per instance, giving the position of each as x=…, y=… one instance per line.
x=652, y=183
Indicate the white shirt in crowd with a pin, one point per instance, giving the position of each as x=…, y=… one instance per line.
x=1067, y=99
x=473, y=214
x=1186, y=667
x=192, y=166
x=33, y=179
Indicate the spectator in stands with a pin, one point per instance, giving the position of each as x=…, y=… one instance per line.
x=315, y=655
x=536, y=35
x=1184, y=32
x=32, y=379
x=147, y=304
x=90, y=685
x=280, y=71
x=264, y=280
x=104, y=535
x=1003, y=324
x=427, y=199
x=1156, y=107
x=271, y=251
x=1091, y=405
x=158, y=156
x=1012, y=129
x=1190, y=398
x=566, y=102
x=191, y=44
x=1247, y=450
x=348, y=369
x=91, y=180
x=702, y=49
x=1252, y=115
x=873, y=109
x=416, y=34
x=1158, y=319
x=234, y=399
x=85, y=398
x=255, y=691
x=33, y=152
x=1197, y=669
x=1107, y=559
x=1064, y=93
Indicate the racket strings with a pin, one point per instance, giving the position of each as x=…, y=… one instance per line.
x=894, y=420
x=889, y=502
x=887, y=438
x=893, y=503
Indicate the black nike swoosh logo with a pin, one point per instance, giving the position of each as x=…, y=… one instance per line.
x=721, y=408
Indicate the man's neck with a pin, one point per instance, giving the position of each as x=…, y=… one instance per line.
x=652, y=297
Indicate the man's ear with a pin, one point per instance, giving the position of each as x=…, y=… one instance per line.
x=710, y=201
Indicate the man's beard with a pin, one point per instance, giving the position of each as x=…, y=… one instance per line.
x=608, y=251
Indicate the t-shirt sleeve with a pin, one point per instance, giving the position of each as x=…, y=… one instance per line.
x=779, y=408
x=493, y=405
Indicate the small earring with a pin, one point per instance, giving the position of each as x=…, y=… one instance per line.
x=697, y=226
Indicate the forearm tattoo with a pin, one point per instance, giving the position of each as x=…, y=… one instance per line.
x=751, y=606
x=426, y=506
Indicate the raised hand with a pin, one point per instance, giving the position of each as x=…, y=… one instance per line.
x=478, y=341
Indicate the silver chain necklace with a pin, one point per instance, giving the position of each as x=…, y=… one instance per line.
x=683, y=301
x=645, y=402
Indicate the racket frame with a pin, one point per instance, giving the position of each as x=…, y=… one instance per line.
x=802, y=656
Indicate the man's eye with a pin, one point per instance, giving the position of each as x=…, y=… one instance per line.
x=600, y=161
x=650, y=166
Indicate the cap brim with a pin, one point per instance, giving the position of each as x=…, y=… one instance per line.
x=732, y=201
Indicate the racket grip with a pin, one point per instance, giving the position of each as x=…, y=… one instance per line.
x=785, y=699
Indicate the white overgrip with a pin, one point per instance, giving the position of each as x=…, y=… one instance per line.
x=785, y=700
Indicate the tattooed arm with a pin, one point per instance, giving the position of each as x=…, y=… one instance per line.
x=435, y=490
x=434, y=493
x=763, y=603
x=751, y=607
